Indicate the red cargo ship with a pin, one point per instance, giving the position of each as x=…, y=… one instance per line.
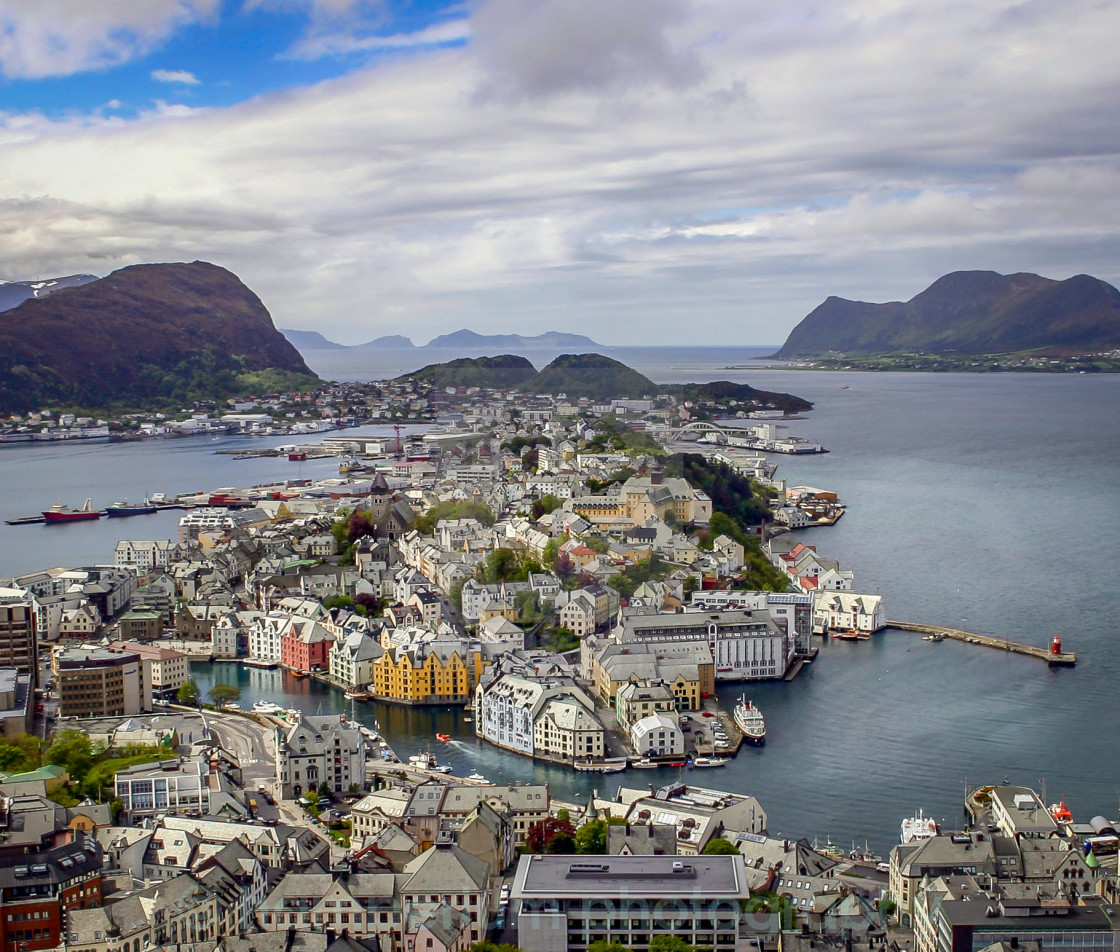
x=61, y=513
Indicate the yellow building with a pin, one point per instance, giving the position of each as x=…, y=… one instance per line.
x=431, y=672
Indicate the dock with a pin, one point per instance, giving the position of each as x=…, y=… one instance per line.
x=1056, y=659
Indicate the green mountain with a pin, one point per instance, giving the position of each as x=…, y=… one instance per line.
x=490, y=373
x=969, y=312
x=590, y=375
x=147, y=335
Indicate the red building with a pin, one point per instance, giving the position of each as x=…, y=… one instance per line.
x=305, y=646
x=36, y=889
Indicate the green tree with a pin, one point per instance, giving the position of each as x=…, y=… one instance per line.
x=670, y=943
x=718, y=846
x=188, y=693
x=455, y=593
x=223, y=694
x=603, y=946
x=597, y=544
x=562, y=843
x=22, y=752
x=73, y=751
x=591, y=838
x=551, y=550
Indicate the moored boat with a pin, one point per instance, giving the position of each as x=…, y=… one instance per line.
x=917, y=827
x=425, y=761
x=258, y=663
x=749, y=719
x=709, y=761
x=124, y=508
x=601, y=766
x=357, y=695
x=476, y=778
x=60, y=512
x=644, y=763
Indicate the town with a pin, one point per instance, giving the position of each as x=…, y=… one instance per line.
x=578, y=579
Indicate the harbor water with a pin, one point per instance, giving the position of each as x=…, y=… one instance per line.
x=985, y=502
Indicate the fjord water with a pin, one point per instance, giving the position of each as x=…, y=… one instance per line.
x=980, y=501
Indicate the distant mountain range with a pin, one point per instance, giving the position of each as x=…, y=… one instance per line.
x=13, y=293
x=146, y=335
x=968, y=312
x=464, y=340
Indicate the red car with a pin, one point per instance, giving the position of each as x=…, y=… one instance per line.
x=707, y=714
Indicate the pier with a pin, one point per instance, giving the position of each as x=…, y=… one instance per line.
x=1061, y=658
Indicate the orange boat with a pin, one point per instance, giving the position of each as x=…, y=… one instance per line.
x=444, y=737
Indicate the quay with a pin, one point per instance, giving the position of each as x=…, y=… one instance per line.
x=1054, y=658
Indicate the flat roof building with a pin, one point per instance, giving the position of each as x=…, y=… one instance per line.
x=565, y=903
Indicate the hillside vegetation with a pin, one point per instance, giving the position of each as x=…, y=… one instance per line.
x=147, y=335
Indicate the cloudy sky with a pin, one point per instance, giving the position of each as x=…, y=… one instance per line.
x=652, y=171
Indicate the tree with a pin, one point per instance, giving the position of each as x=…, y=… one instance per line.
x=718, y=846
x=366, y=603
x=597, y=544
x=73, y=751
x=603, y=946
x=591, y=838
x=223, y=694
x=669, y=943
x=562, y=843
x=543, y=832
x=188, y=693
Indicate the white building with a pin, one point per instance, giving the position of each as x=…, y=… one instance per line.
x=352, y=657
x=657, y=735
x=265, y=636
x=148, y=789
x=849, y=611
x=746, y=645
x=318, y=750
x=142, y=557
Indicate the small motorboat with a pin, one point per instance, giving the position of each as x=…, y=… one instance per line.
x=443, y=737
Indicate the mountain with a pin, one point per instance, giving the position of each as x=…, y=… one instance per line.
x=145, y=335
x=309, y=340
x=493, y=373
x=469, y=340
x=971, y=312
x=735, y=394
x=590, y=375
x=389, y=342
x=16, y=292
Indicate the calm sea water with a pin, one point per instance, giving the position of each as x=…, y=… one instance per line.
x=985, y=501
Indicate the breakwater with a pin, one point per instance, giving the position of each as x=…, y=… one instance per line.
x=1061, y=658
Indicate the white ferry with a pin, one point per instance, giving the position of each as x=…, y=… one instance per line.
x=917, y=827
x=749, y=719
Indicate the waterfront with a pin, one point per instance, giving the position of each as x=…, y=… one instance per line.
x=978, y=501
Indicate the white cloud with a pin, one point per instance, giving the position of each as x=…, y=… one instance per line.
x=179, y=77
x=61, y=37
x=348, y=43
x=755, y=158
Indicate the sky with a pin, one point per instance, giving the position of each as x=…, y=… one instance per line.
x=640, y=171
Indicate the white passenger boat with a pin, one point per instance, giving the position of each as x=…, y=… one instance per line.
x=917, y=827
x=749, y=719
